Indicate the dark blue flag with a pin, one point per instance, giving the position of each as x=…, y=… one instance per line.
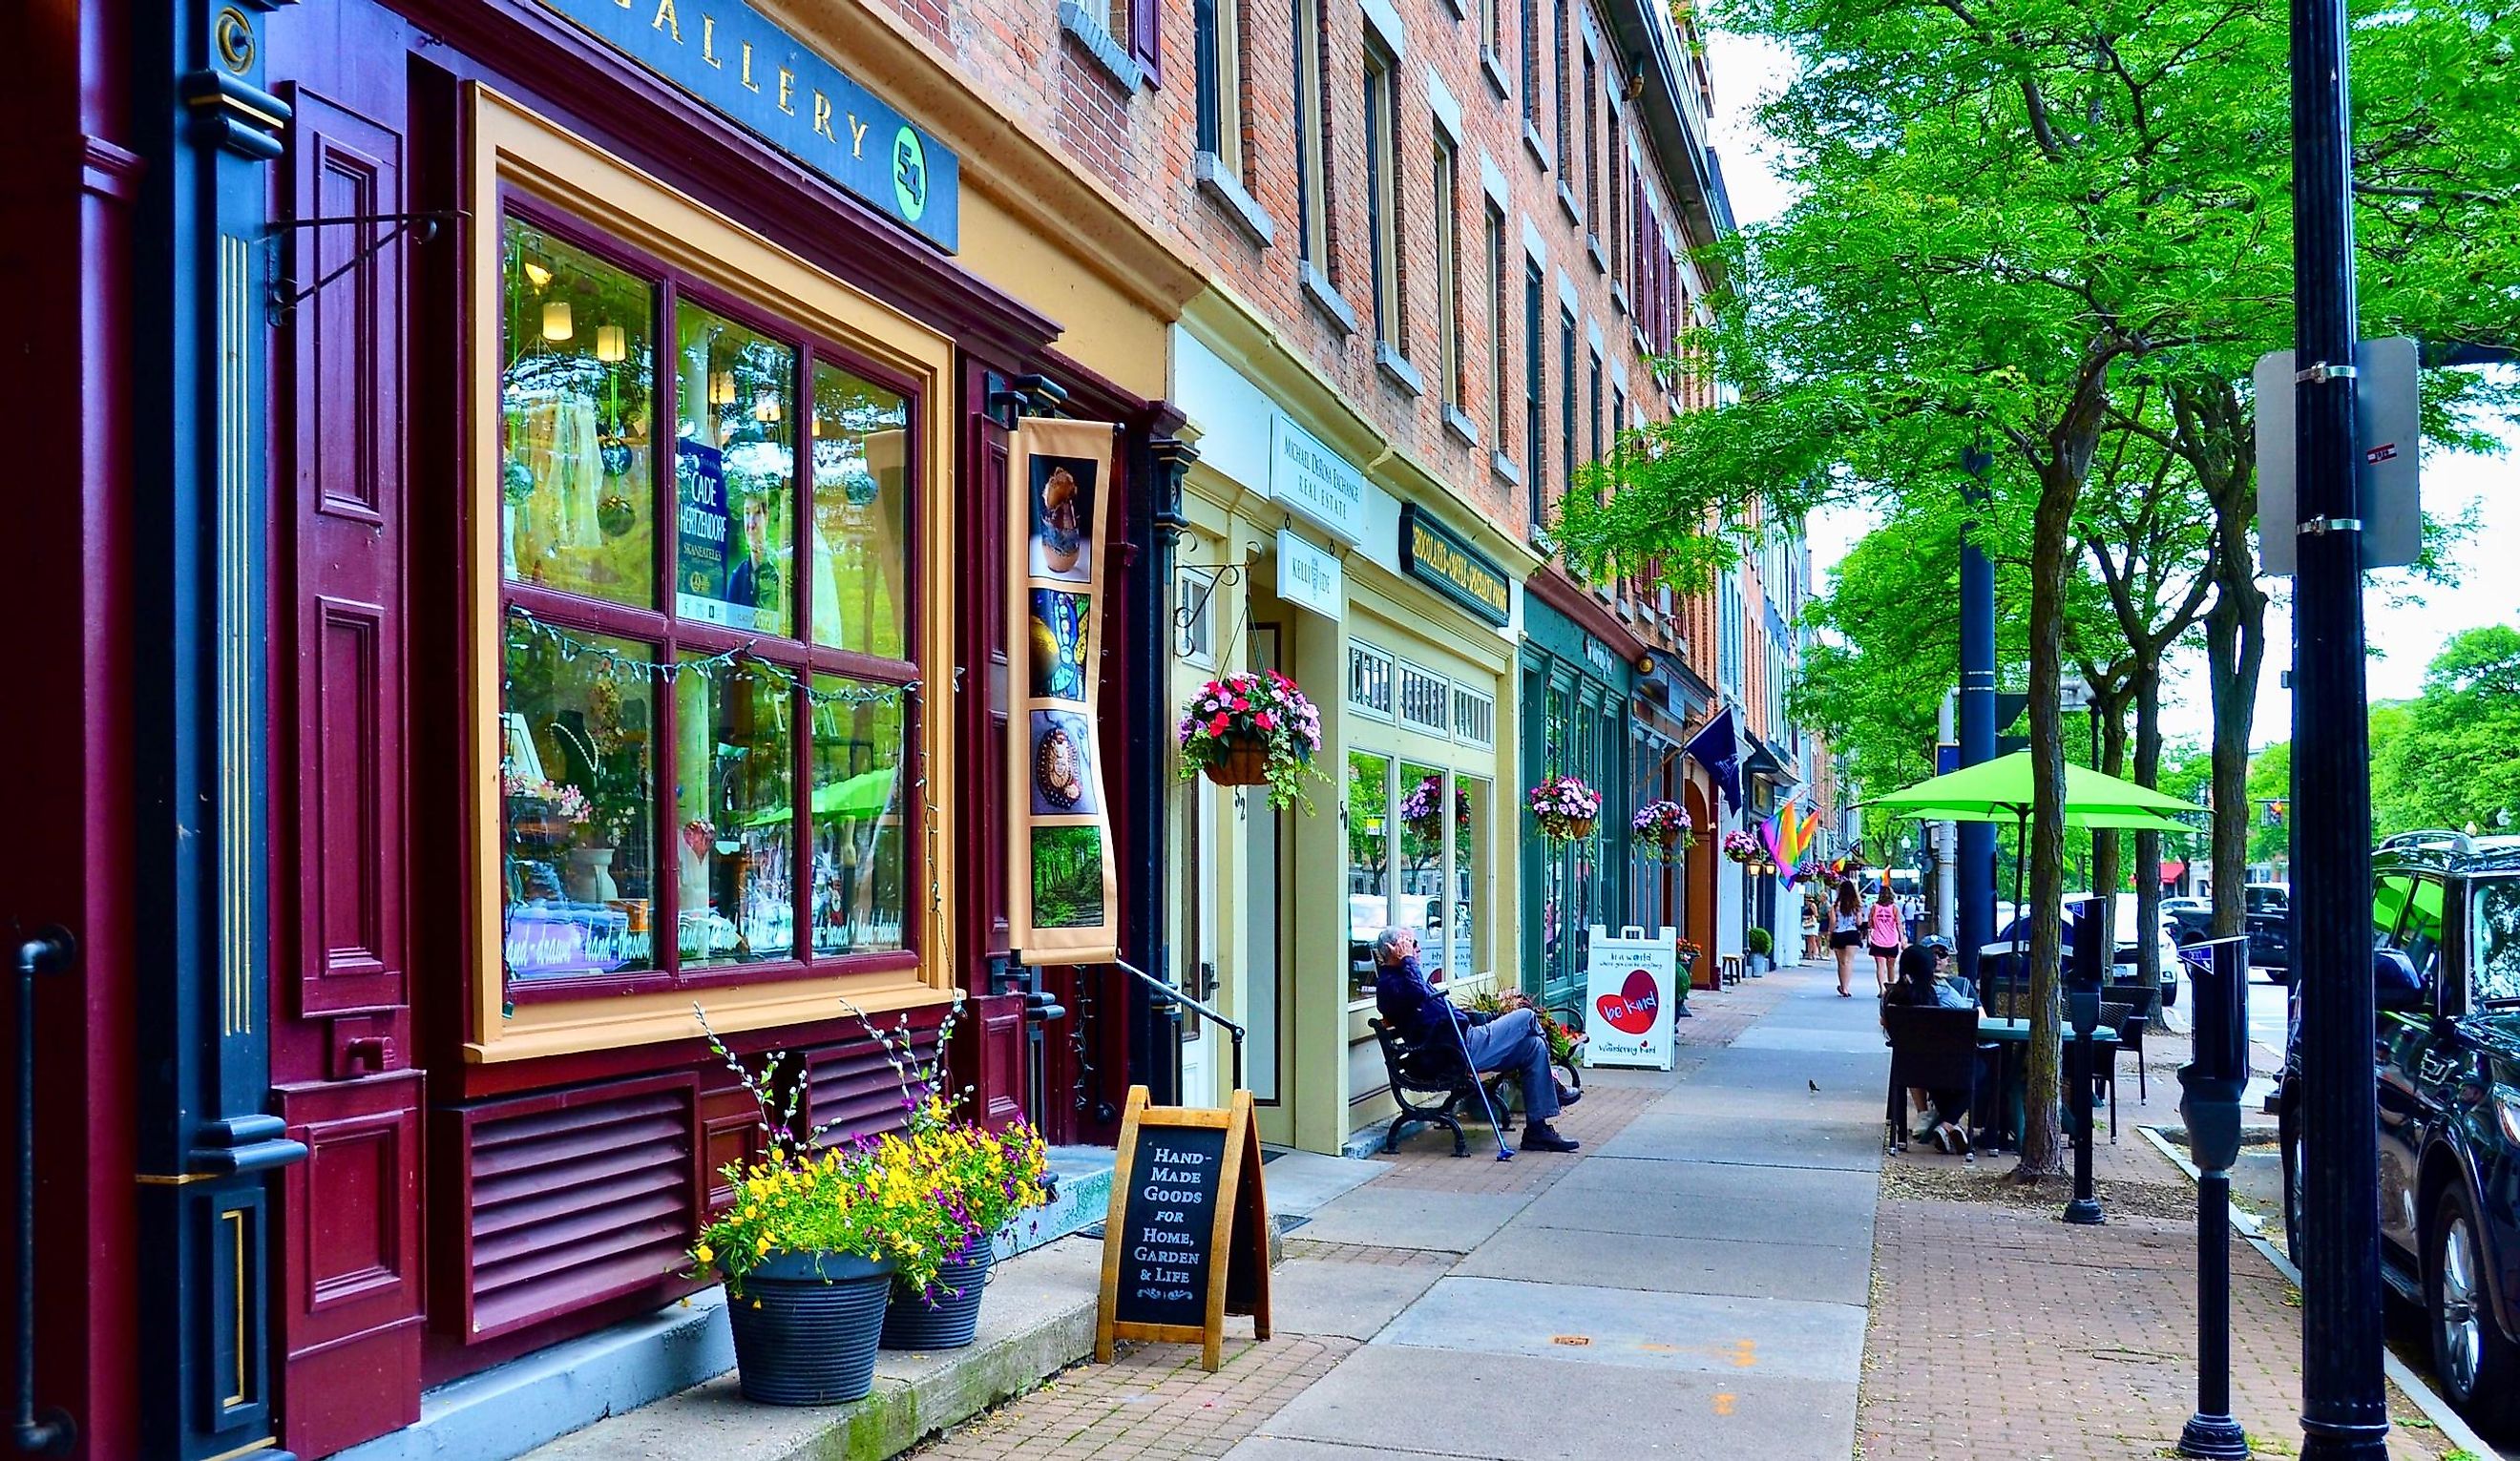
x=1717, y=748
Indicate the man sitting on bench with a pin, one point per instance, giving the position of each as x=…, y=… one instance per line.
x=1510, y=1041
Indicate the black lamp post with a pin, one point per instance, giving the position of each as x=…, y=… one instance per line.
x=2344, y=1407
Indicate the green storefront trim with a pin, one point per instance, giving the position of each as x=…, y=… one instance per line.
x=1574, y=705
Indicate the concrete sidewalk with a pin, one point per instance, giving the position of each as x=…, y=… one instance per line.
x=1692, y=1284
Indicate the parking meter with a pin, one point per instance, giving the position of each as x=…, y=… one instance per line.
x=2213, y=1082
x=2083, y=962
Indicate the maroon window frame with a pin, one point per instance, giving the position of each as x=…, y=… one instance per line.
x=661, y=633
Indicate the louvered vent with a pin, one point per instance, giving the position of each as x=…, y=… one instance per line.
x=853, y=1085
x=577, y=1202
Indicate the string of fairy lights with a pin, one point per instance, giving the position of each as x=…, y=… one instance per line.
x=742, y=660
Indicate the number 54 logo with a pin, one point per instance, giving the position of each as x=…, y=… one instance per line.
x=910, y=174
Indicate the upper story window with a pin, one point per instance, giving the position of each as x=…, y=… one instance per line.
x=1217, y=26
x=1382, y=194
x=1566, y=388
x=1500, y=334
x=1425, y=701
x=1591, y=100
x=1448, y=272
x=1531, y=66
x=1564, y=11
x=1535, y=385
x=1312, y=142
x=1369, y=680
x=707, y=591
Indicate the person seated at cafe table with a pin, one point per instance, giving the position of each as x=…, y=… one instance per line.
x=1921, y=985
x=1510, y=1040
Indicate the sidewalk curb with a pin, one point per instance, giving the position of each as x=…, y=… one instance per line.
x=2452, y=1427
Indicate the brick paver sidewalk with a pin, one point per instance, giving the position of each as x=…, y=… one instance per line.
x=1997, y=1331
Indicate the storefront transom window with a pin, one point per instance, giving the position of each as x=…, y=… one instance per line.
x=705, y=575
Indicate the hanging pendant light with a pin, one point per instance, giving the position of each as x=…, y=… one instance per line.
x=765, y=406
x=560, y=323
x=611, y=344
x=721, y=391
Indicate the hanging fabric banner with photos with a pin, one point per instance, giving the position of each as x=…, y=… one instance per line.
x=1062, y=893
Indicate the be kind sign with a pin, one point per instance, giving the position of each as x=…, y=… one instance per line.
x=1628, y=994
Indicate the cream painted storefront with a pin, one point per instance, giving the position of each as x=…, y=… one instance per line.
x=1294, y=559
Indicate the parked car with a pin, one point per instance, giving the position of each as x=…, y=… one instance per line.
x=2192, y=919
x=2268, y=910
x=2445, y=975
x=2122, y=928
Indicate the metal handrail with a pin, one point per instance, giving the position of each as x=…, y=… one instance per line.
x=50, y=1431
x=1174, y=992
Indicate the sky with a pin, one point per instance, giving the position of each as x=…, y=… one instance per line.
x=2404, y=624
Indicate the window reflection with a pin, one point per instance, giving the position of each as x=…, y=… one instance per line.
x=860, y=812
x=575, y=750
x=1369, y=863
x=734, y=820
x=575, y=470
x=861, y=514
x=1422, y=835
x=734, y=473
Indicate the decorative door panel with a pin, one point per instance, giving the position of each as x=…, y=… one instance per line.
x=351, y=1261
x=352, y=1291
x=344, y=454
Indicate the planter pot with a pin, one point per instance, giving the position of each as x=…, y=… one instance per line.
x=1242, y=766
x=589, y=878
x=1758, y=963
x=948, y=1323
x=810, y=1338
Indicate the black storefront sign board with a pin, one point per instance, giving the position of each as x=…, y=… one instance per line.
x=1445, y=561
x=1187, y=1241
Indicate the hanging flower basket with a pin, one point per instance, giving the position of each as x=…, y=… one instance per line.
x=1243, y=764
x=1741, y=847
x=1661, y=826
x=1252, y=730
x=1566, y=809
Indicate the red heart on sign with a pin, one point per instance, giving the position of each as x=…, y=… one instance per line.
x=1630, y=1011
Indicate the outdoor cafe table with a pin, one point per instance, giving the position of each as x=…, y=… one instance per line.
x=2011, y=1033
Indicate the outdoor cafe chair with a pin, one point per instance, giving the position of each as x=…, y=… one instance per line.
x=1936, y=1049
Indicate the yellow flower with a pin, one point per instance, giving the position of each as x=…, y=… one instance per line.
x=705, y=1254
x=763, y=1247
x=756, y=1303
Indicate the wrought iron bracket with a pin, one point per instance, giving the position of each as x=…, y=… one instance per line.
x=1010, y=398
x=1216, y=576
x=423, y=227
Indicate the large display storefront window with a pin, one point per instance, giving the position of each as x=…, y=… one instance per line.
x=1418, y=830
x=706, y=604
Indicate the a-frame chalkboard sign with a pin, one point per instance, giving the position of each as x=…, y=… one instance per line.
x=1187, y=1241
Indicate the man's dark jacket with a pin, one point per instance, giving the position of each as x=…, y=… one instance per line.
x=1410, y=1005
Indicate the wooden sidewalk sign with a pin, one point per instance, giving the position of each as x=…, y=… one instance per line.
x=1187, y=1241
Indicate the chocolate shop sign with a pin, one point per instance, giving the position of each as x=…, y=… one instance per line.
x=736, y=62
x=1441, y=559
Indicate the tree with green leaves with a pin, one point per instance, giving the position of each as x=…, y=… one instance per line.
x=2017, y=222
x=2445, y=758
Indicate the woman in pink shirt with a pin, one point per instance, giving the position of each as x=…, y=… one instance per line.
x=1885, y=931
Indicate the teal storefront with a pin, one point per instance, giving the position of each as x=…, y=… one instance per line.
x=1578, y=671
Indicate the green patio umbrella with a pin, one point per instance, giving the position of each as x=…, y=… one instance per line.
x=2000, y=791
x=864, y=795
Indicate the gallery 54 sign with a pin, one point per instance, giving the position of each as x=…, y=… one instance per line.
x=1438, y=556
x=725, y=53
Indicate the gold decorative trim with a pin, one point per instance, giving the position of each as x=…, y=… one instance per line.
x=160, y=1179
x=235, y=646
x=266, y=1443
x=237, y=1217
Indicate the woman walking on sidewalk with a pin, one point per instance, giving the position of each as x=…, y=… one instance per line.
x=1812, y=910
x=1887, y=932
x=1844, y=934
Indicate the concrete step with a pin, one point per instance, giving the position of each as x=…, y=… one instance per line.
x=1080, y=1195
x=1037, y=1320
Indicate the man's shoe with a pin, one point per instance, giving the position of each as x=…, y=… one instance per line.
x=1541, y=1136
x=1565, y=1096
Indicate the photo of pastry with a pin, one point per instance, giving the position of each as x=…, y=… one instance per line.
x=1059, y=620
x=1062, y=770
x=1062, y=517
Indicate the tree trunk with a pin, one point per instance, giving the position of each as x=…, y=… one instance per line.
x=2214, y=428
x=2147, y=845
x=2041, y=1143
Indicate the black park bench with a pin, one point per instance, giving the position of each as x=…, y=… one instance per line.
x=1436, y=1088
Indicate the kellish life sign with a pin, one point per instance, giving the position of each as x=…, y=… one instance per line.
x=736, y=62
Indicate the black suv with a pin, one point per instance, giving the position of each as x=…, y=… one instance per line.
x=2446, y=926
x=2269, y=926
